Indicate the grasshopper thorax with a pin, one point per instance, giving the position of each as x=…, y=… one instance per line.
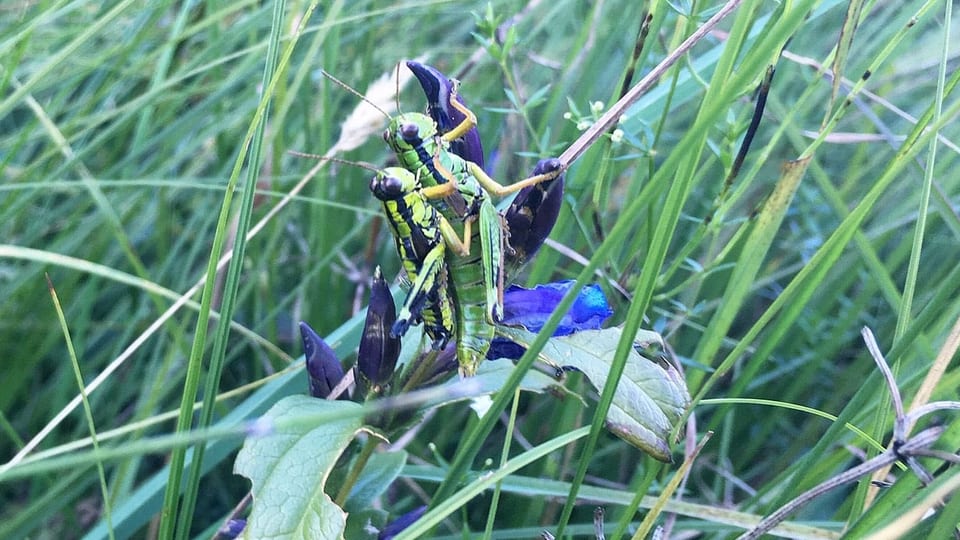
x=409, y=130
x=393, y=183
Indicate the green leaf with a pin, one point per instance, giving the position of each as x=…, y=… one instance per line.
x=650, y=398
x=289, y=468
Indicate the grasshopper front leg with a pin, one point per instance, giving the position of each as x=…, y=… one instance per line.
x=452, y=239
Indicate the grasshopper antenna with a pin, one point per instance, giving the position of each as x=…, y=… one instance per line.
x=359, y=164
x=350, y=89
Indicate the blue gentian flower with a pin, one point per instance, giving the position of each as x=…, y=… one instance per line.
x=530, y=309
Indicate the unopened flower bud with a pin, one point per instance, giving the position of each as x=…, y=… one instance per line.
x=378, y=354
x=440, y=90
x=324, y=371
x=533, y=213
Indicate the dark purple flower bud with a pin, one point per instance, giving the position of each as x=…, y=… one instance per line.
x=396, y=526
x=530, y=309
x=532, y=215
x=323, y=367
x=378, y=354
x=232, y=528
x=439, y=91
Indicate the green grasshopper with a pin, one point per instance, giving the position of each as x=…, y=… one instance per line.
x=533, y=212
x=461, y=190
x=421, y=234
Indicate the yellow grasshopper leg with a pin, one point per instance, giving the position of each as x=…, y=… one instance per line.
x=466, y=125
x=460, y=247
x=500, y=190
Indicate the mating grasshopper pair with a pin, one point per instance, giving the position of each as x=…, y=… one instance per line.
x=456, y=293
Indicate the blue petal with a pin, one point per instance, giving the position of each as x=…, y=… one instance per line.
x=232, y=529
x=530, y=309
x=396, y=526
x=504, y=348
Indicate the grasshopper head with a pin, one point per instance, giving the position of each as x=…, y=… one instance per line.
x=393, y=183
x=409, y=130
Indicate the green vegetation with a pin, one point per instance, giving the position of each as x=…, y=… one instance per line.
x=132, y=153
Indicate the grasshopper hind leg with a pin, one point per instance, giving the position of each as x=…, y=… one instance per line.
x=492, y=237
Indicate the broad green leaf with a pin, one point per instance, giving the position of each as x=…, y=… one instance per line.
x=650, y=398
x=289, y=468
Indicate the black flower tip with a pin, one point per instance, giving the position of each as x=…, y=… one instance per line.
x=396, y=526
x=379, y=351
x=530, y=309
x=324, y=371
x=440, y=90
x=533, y=213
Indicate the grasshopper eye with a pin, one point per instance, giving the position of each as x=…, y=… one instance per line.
x=386, y=188
x=392, y=186
x=386, y=135
x=410, y=132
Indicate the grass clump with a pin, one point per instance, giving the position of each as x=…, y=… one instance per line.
x=127, y=129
